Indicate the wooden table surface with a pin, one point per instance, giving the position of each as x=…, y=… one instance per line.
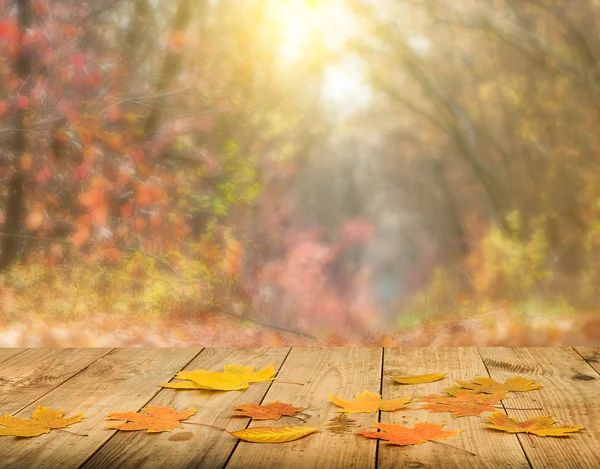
x=99, y=381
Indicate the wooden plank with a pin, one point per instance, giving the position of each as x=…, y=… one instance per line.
x=493, y=450
x=7, y=353
x=121, y=379
x=342, y=372
x=569, y=395
x=192, y=446
x=28, y=376
x=591, y=355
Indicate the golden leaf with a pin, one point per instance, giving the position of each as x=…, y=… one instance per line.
x=43, y=419
x=273, y=434
x=540, y=426
x=248, y=374
x=367, y=402
x=491, y=386
x=208, y=380
x=401, y=435
x=233, y=378
x=156, y=419
x=418, y=379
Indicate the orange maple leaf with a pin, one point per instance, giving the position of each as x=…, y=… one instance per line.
x=43, y=419
x=156, y=419
x=273, y=411
x=540, y=426
x=401, y=435
x=368, y=402
x=491, y=386
x=462, y=403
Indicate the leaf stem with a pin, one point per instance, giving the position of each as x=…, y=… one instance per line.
x=530, y=440
x=204, y=425
x=455, y=447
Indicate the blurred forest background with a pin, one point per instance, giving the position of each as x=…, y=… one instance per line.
x=286, y=172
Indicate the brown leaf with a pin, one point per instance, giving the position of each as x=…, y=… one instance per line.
x=273, y=411
x=462, y=403
x=156, y=419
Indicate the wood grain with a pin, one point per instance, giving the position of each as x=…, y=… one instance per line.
x=193, y=446
x=120, y=380
x=28, y=376
x=591, y=355
x=570, y=393
x=342, y=372
x=492, y=449
x=8, y=353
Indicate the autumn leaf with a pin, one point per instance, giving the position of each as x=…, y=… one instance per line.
x=401, y=435
x=367, y=402
x=418, y=379
x=491, y=386
x=156, y=419
x=273, y=411
x=540, y=426
x=273, y=434
x=208, y=380
x=43, y=419
x=248, y=374
x=341, y=423
x=234, y=378
x=462, y=403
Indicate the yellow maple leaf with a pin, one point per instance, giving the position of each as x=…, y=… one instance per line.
x=156, y=419
x=43, y=419
x=248, y=374
x=233, y=378
x=273, y=434
x=491, y=386
x=208, y=380
x=540, y=426
x=367, y=402
x=418, y=379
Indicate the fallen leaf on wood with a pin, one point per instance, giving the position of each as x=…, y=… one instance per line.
x=43, y=419
x=156, y=419
x=540, y=426
x=367, y=402
x=248, y=374
x=462, y=403
x=233, y=378
x=341, y=423
x=491, y=386
x=273, y=434
x=208, y=380
x=418, y=379
x=401, y=435
x=273, y=411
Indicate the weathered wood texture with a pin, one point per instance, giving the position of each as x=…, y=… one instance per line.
x=569, y=394
x=99, y=381
x=32, y=374
x=193, y=446
x=343, y=372
x=493, y=449
x=121, y=379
